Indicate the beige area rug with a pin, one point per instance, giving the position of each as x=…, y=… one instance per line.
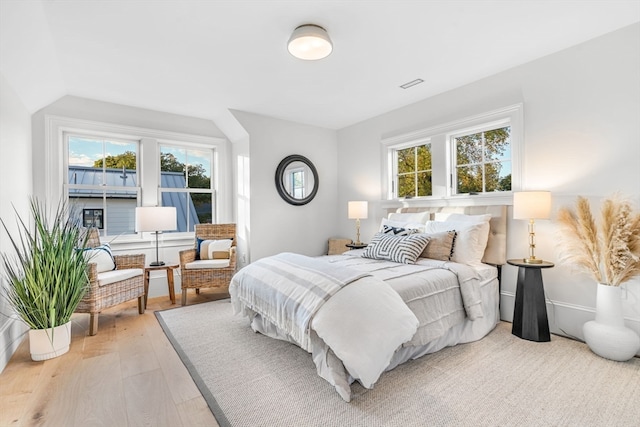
x=501, y=380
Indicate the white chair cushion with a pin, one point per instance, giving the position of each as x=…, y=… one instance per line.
x=208, y=263
x=113, y=276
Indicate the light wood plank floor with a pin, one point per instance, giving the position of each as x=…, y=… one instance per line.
x=126, y=375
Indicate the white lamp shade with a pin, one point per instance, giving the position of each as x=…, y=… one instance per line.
x=532, y=205
x=358, y=210
x=156, y=218
x=310, y=42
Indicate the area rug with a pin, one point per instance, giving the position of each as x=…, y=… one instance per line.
x=501, y=380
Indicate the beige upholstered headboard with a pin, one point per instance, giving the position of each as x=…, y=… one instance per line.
x=496, y=251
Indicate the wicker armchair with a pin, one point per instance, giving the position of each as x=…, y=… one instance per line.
x=197, y=274
x=104, y=292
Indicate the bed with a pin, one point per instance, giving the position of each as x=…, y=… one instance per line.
x=367, y=311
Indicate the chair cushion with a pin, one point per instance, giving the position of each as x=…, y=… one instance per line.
x=108, y=277
x=102, y=256
x=209, y=263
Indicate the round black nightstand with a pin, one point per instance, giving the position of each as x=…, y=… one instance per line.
x=356, y=245
x=530, y=320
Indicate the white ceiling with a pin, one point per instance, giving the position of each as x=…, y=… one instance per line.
x=201, y=58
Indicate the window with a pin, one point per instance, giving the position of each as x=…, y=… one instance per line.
x=185, y=182
x=412, y=171
x=478, y=155
x=102, y=181
x=482, y=161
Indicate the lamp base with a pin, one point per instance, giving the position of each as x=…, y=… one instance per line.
x=532, y=260
x=157, y=263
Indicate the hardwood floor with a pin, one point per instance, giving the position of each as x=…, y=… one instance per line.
x=126, y=375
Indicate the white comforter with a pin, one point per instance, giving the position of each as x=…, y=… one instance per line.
x=363, y=324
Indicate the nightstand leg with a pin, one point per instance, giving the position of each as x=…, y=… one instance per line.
x=530, y=320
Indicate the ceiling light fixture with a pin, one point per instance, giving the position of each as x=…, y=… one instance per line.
x=310, y=42
x=411, y=83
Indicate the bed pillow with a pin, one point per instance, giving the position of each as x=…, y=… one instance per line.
x=458, y=217
x=471, y=239
x=440, y=246
x=101, y=256
x=398, y=231
x=415, y=217
x=402, y=249
x=401, y=224
x=214, y=249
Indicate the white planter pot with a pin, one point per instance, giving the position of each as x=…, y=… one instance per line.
x=49, y=343
x=607, y=336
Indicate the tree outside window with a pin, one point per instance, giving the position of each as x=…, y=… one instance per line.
x=413, y=178
x=483, y=161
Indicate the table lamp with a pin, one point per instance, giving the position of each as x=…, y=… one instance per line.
x=358, y=211
x=532, y=205
x=156, y=219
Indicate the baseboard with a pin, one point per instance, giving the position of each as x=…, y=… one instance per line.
x=12, y=332
x=564, y=319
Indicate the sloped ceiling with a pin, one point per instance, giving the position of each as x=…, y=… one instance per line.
x=202, y=58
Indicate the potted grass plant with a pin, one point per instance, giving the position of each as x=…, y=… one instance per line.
x=609, y=251
x=47, y=276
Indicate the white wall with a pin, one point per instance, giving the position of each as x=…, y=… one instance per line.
x=581, y=137
x=15, y=188
x=276, y=226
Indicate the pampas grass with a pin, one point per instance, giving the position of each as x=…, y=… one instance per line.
x=611, y=253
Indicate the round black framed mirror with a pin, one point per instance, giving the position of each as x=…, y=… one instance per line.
x=296, y=180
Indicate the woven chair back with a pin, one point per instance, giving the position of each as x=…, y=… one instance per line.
x=216, y=232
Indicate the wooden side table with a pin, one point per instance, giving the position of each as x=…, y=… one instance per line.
x=530, y=320
x=168, y=268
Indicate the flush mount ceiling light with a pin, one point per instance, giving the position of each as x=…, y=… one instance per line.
x=310, y=42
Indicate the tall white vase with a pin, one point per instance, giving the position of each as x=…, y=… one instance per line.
x=49, y=343
x=607, y=336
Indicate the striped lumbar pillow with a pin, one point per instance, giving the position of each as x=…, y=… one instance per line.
x=402, y=249
x=398, y=231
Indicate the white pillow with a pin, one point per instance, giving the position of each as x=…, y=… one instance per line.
x=101, y=256
x=472, y=219
x=415, y=217
x=215, y=249
x=401, y=224
x=471, y=239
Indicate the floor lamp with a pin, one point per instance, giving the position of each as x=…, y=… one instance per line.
x=156, y=219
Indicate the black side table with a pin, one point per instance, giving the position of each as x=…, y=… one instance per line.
x=530, y=320
x=356, y=245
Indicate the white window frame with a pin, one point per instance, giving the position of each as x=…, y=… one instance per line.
x=498, y=124
x=54, y=167
x=213, y=179
x=104, y=188
x=393, y=153
x=440, y=138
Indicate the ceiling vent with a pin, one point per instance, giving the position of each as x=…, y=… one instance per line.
x=411, y=83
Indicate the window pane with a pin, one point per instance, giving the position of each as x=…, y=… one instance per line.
x=424, y=157
x=184, y=209
x=497, y=144
x=469, y=179
x=120, y=155
x=406, y=185
x=498, y=176
x=203, y=205
x=406, y=160
x=199, y=168
x=424, y=184
x=120, y=212
x=172, y=167
x=84, y=156
x=469, y=149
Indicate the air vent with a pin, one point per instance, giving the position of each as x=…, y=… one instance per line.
x=411, y=83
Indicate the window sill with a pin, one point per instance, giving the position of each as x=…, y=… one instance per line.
x=505, y=198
